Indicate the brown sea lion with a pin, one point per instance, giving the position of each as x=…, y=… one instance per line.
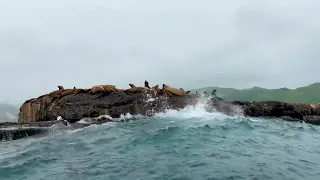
x=66, y=92
x=78, y=91
x=137, y=90
x=109, y=88
x=107, y=85
x=187, y=92
x=60, y=87
x=154, y=90
x=146, y=84
x=174, y=91
x=56, y=92
x=165, y=92
x=86, y=90
x=155, y=87
x=97, y=90
x=132, y=85
x=121, y=90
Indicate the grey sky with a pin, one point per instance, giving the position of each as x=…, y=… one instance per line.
x=184, y=43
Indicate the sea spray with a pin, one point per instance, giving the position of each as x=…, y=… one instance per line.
x=187, y=144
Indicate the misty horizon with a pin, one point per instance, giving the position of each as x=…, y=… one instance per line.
x=19, y=102
x=183, y=43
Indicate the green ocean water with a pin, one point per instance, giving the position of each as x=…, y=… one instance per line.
x=188, y=144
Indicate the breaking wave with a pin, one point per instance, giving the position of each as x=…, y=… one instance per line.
x=190, y=143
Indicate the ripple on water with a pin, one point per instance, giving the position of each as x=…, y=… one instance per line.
x=169, y=148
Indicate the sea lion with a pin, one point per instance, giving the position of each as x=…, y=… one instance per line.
x=187, y=92
x=97, y=90
x=78, y=91
x=120, y=90
x=60, y=87
x=174, y=91
x=66, y=92
x=182, y=89
x=56, y=92
x=107, y=85
x=136, y=89
x=109, y=88
x=165, y=92
x=86, y=90
x=155, y=90
x=156, y=87
x=132, y=85
x=146, y=84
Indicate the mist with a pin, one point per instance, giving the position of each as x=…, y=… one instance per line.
x=189, y=44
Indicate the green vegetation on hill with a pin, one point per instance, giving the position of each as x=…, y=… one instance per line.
x=308, y=94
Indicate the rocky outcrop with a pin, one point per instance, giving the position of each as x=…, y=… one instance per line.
x=33, y=110
x=74, y=107
x=75, y=104
x=296, y=111
x=309, y=113
x=39, y=114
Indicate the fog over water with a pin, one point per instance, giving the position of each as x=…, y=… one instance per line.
x=187, y=44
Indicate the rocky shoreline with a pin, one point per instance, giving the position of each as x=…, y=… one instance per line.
x=75, y=104
x=301, y=112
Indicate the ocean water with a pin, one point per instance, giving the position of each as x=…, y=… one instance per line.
x=188, y=144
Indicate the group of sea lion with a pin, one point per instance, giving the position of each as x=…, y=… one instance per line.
x=61, y=92
x=103, y=89
x=166, y=89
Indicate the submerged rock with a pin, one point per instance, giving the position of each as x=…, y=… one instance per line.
x=18, y=133
x=13, y=130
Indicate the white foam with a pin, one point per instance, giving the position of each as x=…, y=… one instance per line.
x=197, y=111
x=90, y=120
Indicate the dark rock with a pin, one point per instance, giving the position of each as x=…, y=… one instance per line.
x=288, y=118
x=13, y=134
x=74, y=107
x=14, y=130
x=312, y=119
x=309, y=113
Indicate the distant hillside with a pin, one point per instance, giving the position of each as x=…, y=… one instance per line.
x=309, y=94
x=8, y=113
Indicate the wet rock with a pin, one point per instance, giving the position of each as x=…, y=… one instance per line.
x=18, y=133
x=312, y=119
x=309, y=113
x=74, y=107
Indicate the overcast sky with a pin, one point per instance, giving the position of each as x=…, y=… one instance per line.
x=184, y=43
